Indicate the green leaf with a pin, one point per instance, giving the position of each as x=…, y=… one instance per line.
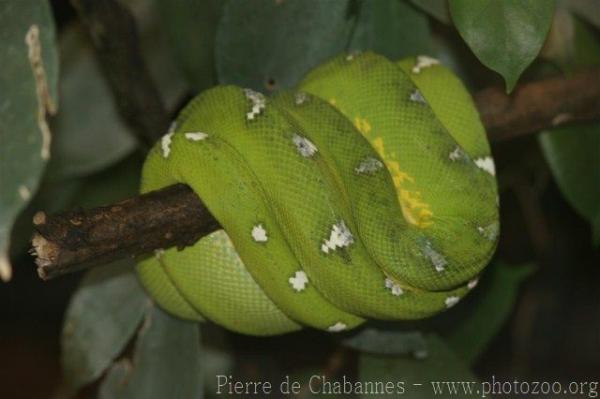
x=440, y=364
x=28, y=86
x=101, y=318
x=191, y=26
x=506, y=35
x=89, y=133
x=438, y=9
x=166, y=362
x=586, y=9
x=387, y=342
x=492, y=304
x=392, y=28
x=571, y=44
x=158, y=52
x=273, y=44
x=573, y=154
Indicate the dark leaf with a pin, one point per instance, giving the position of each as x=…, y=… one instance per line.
x=89, y=133
x=573, y=154
x=391, y=28
x=587, y=9
x=269, y=45
x=438, y=9
x=101, y=318
x=506, y=35
x=191, y=26
x=492, y=305
x=415, y=375
x=28, y=86
x=166, y=362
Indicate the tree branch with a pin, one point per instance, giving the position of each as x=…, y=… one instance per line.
x=175, y=216
x=114, y=35
x=539, y=105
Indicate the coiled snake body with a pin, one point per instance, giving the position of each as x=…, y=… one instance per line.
x=369, y=192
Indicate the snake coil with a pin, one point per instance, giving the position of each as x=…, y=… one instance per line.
x=368, y=192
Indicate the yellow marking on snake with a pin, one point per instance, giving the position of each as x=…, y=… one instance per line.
x=415, y=211
x=363, y=125
x=398, y=176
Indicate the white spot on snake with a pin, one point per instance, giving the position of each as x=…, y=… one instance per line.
x=196, y=136
x=417, y=97
x=437, y=260
x=490, y=231
x=451, y=301
x=165, y=144
x=337, y=327
x=305, y=147
x=158, y=253
x=339, y=237
x=456, y=154
x=473, y=283
x=369, y=165
x=24, y=192
x=300, y=98
x=172, y=127
x=351, y=56
x=423, y=62
x=392, y=286
x=299, y=281
x=258, y=103
x=487, y=164
x=259, y=234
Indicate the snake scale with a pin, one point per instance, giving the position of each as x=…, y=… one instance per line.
x=368, y=192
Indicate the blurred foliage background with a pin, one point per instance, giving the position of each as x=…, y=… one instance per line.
x=535, y=314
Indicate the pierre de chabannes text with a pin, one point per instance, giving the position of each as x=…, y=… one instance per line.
x=324, y=385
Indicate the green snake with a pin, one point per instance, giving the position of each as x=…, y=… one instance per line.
x=368, y=192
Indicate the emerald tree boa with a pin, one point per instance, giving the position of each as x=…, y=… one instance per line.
x=366, y=193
